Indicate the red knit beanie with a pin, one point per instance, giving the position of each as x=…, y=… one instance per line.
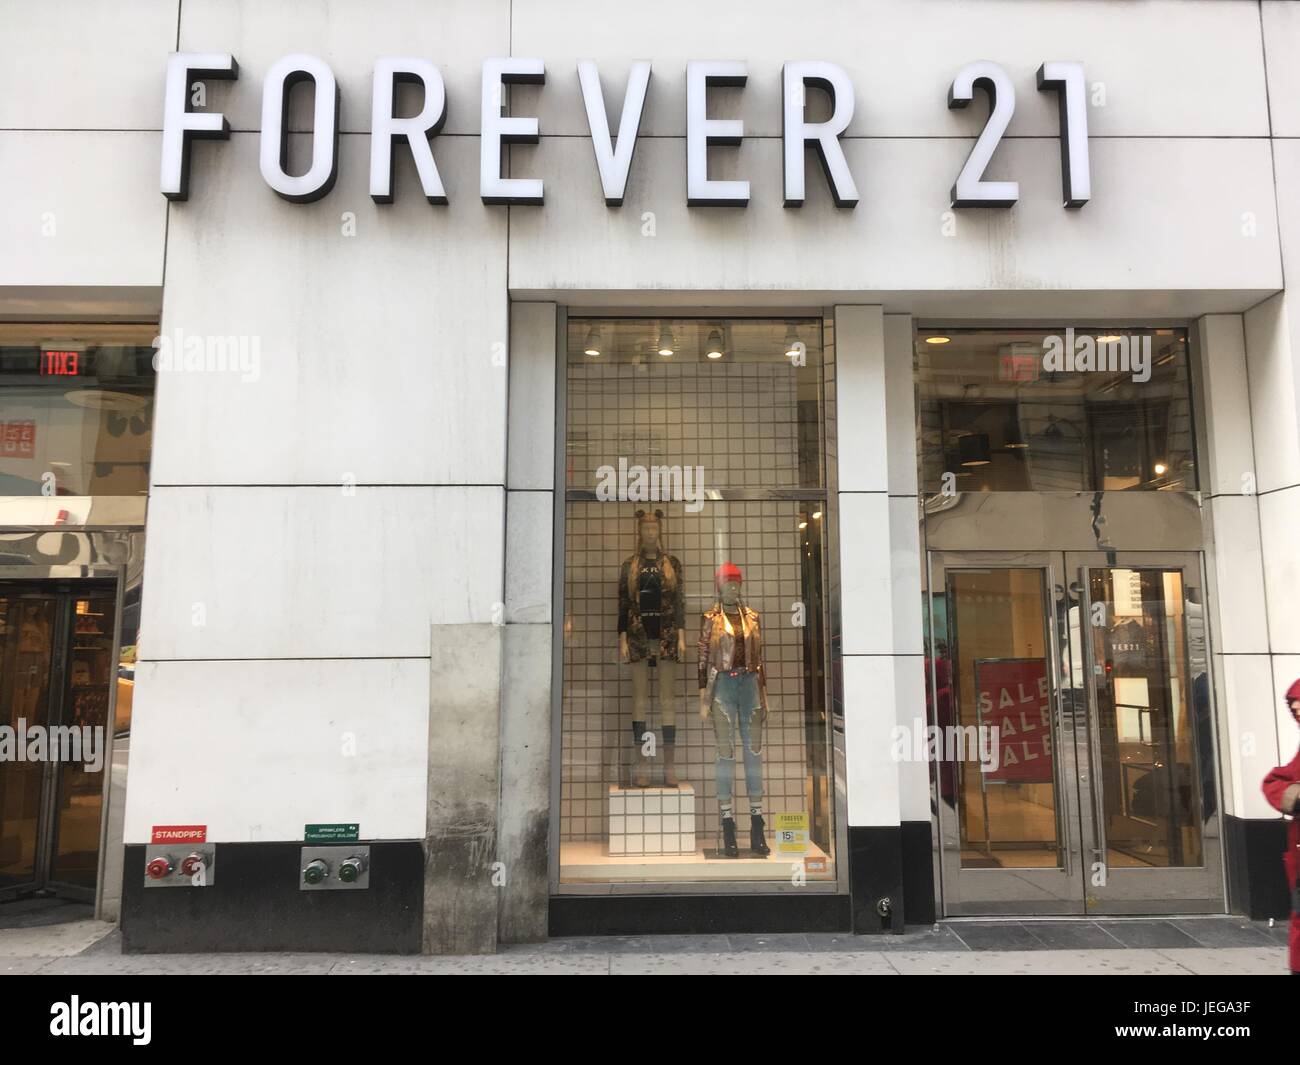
x=728, y=571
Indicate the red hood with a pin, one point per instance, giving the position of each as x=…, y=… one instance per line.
x=1293, y=692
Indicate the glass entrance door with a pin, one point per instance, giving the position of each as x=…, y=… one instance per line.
x=1070, y=693
x=28, y=636
x=56, y=675
x=1147, y=757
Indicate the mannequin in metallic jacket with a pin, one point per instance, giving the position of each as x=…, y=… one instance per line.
x=733, y=696
x=652, y=639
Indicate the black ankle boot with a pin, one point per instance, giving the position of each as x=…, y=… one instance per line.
x=729, y=847
x=757, y=843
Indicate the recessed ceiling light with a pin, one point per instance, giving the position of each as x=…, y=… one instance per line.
x=1161, y=469
x=1109, y=338
x=938, y=340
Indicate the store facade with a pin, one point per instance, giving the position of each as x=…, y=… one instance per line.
x=575, y=504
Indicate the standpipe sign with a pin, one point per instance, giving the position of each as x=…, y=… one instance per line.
x=178, y=834
x=181, y=127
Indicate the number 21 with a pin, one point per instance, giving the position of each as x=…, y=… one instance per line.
x=1065, y=78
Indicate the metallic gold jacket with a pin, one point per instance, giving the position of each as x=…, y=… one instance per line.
x=717, y=646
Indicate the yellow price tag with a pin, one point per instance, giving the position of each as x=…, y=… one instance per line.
x=791, y=833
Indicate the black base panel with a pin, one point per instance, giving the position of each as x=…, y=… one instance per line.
x=665, y=915
x=919, y=901
x=1257, y=884
x=254, y=904
x=875, y=874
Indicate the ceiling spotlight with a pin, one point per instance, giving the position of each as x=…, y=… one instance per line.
x=817, y=515
x=803, y=525
x=713, y=349
x=1109, y=338
x=593, y=343
x=1161, y=469
x=793, y=345
x=938, y=340
x=666, y=342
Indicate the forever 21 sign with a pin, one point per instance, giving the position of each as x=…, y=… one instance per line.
x=613, y=151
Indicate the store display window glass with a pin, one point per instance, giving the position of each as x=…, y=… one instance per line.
x=1055, y=410
x=695, y=736
x=76, y=409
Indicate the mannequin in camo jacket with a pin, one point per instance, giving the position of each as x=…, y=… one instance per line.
x=652, y=635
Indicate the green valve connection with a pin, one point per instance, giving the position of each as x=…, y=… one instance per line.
x=315, y=872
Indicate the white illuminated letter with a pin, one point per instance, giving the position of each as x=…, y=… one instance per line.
x=824, y=137
x=1065, y=78
x=181, y=125
x=497, y=129
x=970, y=189
x=614, y=161
x=703, y=132
x=284, y=74
x=386, y=130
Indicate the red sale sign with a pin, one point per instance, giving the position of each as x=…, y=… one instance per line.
x=18, y=439
x=1013, y=698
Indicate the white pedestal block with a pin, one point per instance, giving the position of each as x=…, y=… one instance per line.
x=651, y=820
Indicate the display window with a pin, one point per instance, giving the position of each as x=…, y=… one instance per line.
x=696, y=735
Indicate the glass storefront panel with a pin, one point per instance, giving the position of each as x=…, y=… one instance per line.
x=1055, y=410
x=80, y=789
x=27, y=647
x=694, y=736
x=1153, y=753
x=76, y=410
x=1009, y=815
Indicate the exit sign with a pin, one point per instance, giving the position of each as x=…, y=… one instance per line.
x=60, y=363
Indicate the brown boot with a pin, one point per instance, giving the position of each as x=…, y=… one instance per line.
x=670, y=765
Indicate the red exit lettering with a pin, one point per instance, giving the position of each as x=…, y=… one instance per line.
x=60, y=363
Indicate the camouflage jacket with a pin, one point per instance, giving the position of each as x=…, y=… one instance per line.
x=672, y=609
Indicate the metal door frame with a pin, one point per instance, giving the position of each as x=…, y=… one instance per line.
x=1073, y=887
x=1030, y=891
x=43, y=592
x=64, y=593
x=1154, y=889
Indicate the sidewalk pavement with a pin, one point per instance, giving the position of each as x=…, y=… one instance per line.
x=1176, y=946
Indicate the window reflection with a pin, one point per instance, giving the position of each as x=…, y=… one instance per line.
x=76, y=412
x=999, y=413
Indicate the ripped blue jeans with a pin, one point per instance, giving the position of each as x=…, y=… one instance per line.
x=737, y=709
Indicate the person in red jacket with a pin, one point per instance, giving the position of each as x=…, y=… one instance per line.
x=1282, y=789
